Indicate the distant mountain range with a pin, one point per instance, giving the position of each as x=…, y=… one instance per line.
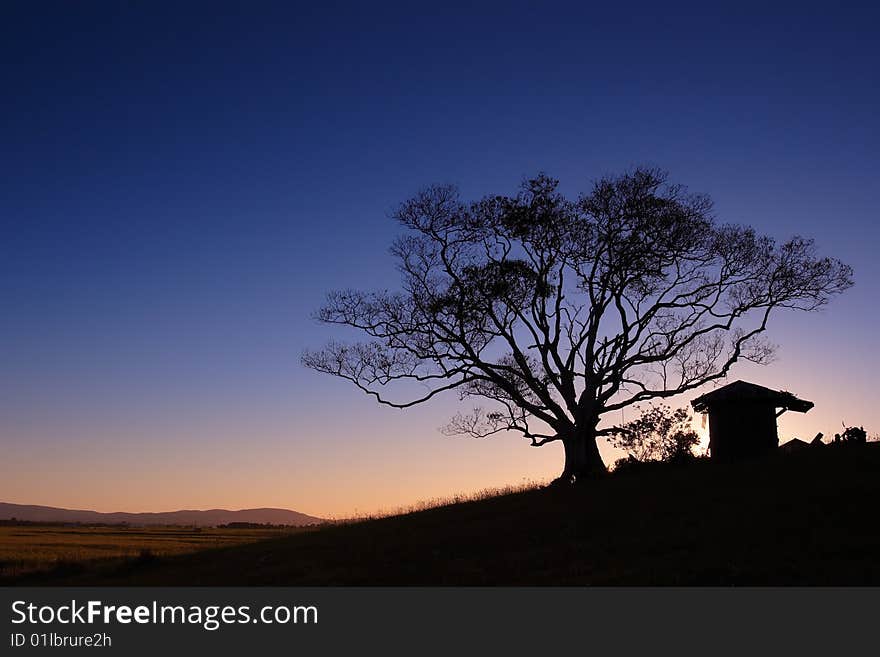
x=207, y=518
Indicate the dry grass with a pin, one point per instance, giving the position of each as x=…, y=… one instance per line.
x=28, y=548
x=437, y=502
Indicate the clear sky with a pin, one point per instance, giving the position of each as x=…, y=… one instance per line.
x=181, y=183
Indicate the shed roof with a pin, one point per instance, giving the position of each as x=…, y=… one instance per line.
x=794, y=445
x=743, y=391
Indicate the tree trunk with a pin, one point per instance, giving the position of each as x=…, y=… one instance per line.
x=582, y=458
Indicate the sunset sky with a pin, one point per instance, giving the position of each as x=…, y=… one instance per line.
x=182, y=183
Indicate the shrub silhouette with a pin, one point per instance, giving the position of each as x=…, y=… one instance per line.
x=658, y=434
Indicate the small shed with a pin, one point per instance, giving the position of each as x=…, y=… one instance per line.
x=742, y=418
x=794, y=446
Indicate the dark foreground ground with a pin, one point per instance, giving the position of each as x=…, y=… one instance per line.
x=808, y=518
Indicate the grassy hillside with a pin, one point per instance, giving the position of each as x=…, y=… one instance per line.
x=807, y=518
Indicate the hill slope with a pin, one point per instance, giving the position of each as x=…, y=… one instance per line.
x=808, y=518
x=211, y=517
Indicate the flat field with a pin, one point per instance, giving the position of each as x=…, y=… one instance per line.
x=29, y=548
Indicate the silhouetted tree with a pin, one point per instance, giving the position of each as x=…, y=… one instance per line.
x=558, y=312
x=658, y=434
x=852, y=435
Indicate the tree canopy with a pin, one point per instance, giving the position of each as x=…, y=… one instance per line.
x=549, y=313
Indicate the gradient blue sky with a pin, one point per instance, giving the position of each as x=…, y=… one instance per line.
x=181, y=183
